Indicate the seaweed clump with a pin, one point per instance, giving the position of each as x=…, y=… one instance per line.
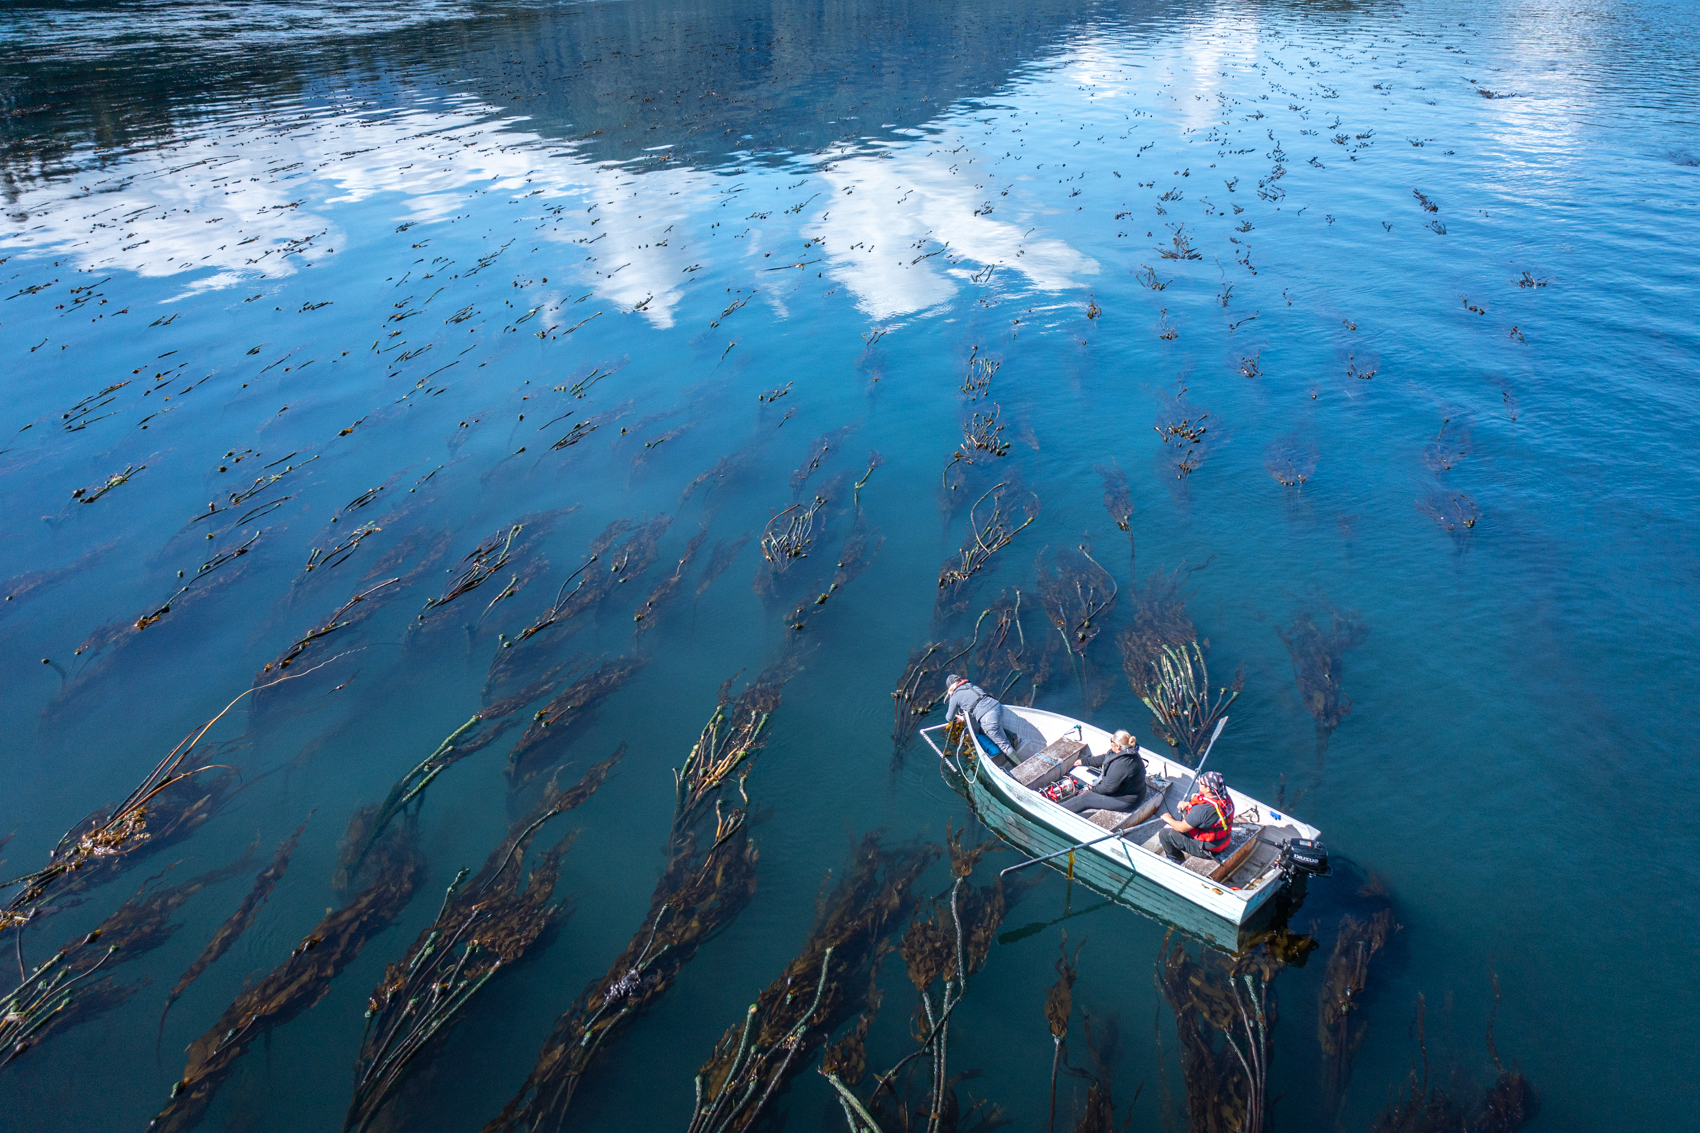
x=828, y=983
x=1225, y=1017
x=483, y=925
x=1317, y=642
x=708, y=879
x=302, y=980
x=49, y=1000
x=1358, y=941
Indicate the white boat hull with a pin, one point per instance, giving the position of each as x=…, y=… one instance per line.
x=1120, y=868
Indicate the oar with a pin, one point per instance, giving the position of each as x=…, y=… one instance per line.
x=1220, y=724
x=1060, y=853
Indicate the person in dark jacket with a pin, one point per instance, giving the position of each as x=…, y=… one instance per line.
x=970, y=702
x=1122, y=784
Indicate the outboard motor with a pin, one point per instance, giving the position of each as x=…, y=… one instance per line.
x=1305, y=856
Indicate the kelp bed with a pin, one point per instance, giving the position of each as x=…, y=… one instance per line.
x=395, y=867
x=708, y=879
x=483, y=925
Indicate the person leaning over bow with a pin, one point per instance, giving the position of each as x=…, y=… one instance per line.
x=1122, y=784
x=1208, y=825
x=970, y=702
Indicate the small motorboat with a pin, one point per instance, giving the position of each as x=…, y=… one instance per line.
x=1116, y=853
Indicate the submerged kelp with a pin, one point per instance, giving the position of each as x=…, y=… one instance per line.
x=708, y=879
x=997, y=657
x=538, y=747
x=1077, y=595
x=54, y=997
x=1159, y=622
x=483, y=925
x=946, y=945
x=1224, y=1016
x=1360, y=938
x=1317, y=641
x=1506, y=1106
x=161, y=810
x=396, y=868
x=484, y=728
x=237, y=923
x=829, y=982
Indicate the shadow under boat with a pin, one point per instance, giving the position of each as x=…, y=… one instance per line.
x=1229, y=904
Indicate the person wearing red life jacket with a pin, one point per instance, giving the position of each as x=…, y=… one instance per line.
x=1207, y=824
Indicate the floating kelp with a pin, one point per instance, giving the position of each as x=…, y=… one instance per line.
x=977, y=382
x=1118, y=498
x=237, y=923
x=1291, y=460
x=789, y=534
x=339, y=552
x=1359, y=939
x=700, y=892
x=1178, y=696
x=819, y=449
x=1159, y=622
x=989, y=532
x=340, y=620
x=55, y=997
x=1182, y=429
x=102, y=651
x=483, y=562
x=669, y=585
x=1452, y=511
x=793, y=534
x=594, y=584
x=50, y=999
x=483, y=925
x=148, y=818
x=530, y=756
x=1076, y=593
x=829, y=982
x=300, y=981
x=858, y=554
x=1214, y=997
x=733, y=734
x=982, y=433
x=998, y=661
x=1317, y=642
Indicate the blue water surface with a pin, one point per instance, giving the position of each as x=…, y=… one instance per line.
x=1386, y=313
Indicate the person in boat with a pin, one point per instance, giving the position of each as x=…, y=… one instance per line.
x=970, y=702
x=1121, y=785
x=1207, y=825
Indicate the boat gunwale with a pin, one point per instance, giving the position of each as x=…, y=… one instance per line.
x=1116, y=853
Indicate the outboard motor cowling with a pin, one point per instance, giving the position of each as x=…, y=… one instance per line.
x=1305, y=855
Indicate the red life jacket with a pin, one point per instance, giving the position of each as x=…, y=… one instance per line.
x=1214, y=838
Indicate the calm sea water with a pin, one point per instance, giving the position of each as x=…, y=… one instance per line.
x=1440, y=314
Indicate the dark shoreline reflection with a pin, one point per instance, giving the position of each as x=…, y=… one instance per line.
x=715, y=82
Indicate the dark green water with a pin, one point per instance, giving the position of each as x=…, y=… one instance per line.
x=386, y=247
